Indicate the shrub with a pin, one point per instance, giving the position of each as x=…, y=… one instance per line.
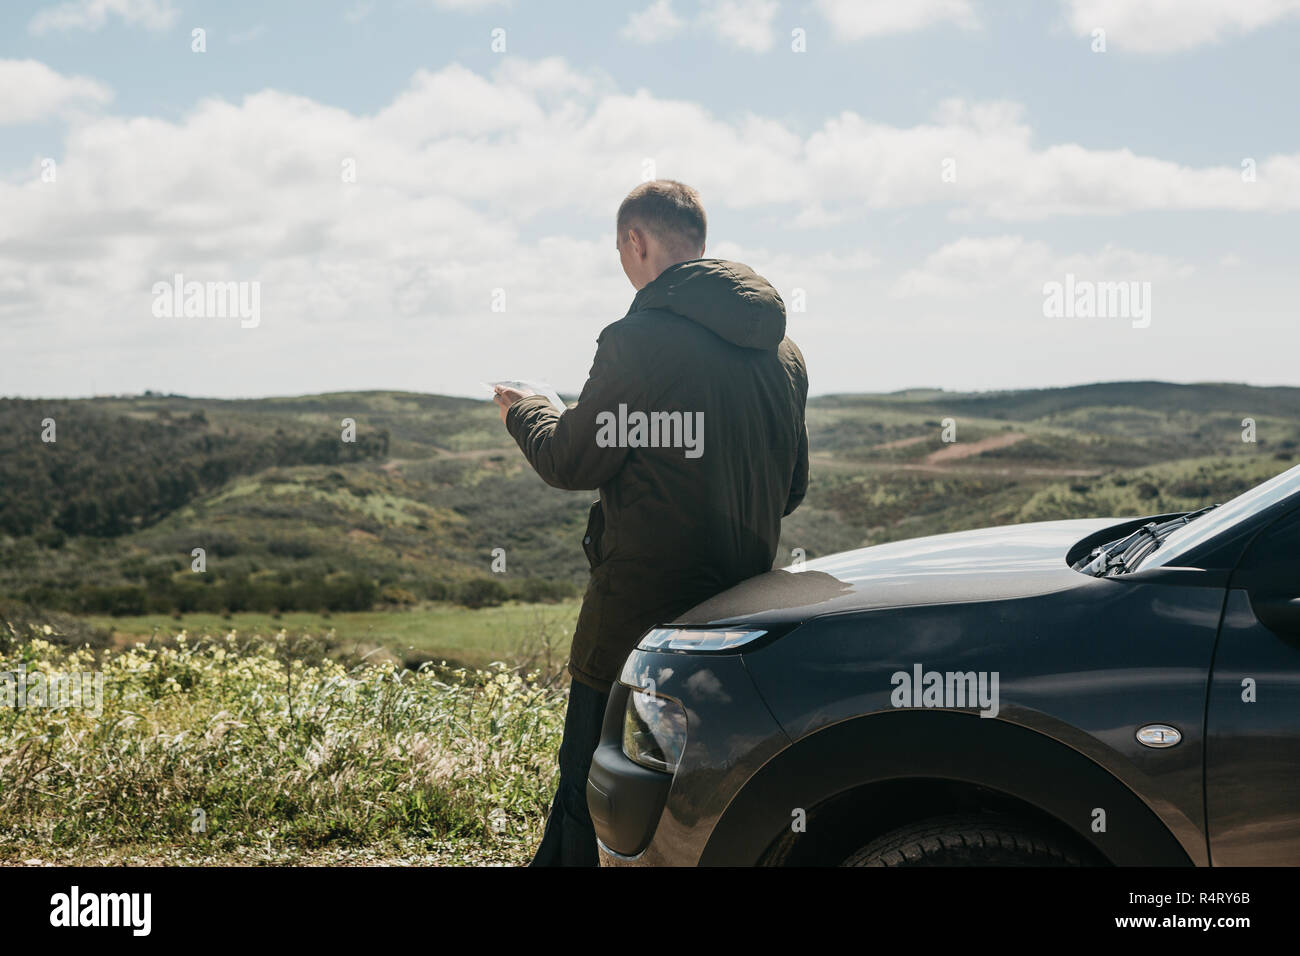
x=1191, y=488
x=291, y=548
x=396, y=595
x=481, y=592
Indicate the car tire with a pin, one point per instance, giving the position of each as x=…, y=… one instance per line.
x=966, y=840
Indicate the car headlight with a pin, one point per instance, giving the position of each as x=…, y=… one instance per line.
x=654, y=731
x=684, y=639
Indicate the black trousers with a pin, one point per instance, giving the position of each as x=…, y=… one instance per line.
x=569, y=839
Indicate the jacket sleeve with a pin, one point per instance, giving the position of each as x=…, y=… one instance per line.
x=562, y=448
x=799, y=482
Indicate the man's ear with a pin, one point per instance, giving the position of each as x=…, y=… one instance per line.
x=640, y=243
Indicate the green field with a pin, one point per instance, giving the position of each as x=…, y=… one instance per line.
x=460, y=636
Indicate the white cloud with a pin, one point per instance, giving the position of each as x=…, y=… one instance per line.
x=1166, y=26
x=655, y=23
x=583, y=139
x=94, y=14
x=856, y=19
x=1002, y=174
x=985, y=265
x=745, y=24
x=469, y=182
x=750, y=24
x=30, y=91
x=536, y=137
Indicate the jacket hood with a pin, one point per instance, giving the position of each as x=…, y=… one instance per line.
x=729, y=299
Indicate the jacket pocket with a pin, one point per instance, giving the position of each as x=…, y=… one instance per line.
x=591, y=538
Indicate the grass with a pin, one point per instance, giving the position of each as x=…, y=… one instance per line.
x=264, y=750
x=433, y=632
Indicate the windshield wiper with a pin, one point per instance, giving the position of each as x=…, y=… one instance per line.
x=1163, y=531
x=1127, y=553
x=1109, y=559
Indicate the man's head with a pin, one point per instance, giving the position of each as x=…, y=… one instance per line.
x=660, y=223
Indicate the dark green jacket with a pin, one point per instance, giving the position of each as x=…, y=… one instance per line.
x=676, y=525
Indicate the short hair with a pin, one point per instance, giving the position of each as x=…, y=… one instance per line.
x=668, y=210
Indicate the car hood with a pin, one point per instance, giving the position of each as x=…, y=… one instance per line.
x=989, y=564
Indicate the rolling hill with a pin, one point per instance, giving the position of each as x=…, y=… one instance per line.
x=105, y=519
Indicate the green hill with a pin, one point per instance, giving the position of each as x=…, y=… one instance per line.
x=105, y=519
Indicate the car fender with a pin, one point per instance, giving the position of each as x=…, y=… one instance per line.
x=945, y=745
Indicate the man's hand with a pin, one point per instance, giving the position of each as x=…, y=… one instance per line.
x=505, y=397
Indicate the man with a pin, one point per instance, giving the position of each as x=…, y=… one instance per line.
x=691, y=424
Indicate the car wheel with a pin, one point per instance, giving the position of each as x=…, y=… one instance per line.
x=966, y=840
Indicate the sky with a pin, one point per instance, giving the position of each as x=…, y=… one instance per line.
x=420, y=194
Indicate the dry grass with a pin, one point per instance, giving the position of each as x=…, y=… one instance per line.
x=230, y=750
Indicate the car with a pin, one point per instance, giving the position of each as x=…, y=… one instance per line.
x=1077, y=692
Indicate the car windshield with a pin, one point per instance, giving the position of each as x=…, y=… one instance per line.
x=1208, y=525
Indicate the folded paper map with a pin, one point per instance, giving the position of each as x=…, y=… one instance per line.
x=541, y=388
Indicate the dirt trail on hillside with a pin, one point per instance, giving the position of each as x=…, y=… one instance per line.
x=959, y=458
x=395, y=464
x=958, y=450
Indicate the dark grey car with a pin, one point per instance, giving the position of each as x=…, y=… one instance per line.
x=1120, y=691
